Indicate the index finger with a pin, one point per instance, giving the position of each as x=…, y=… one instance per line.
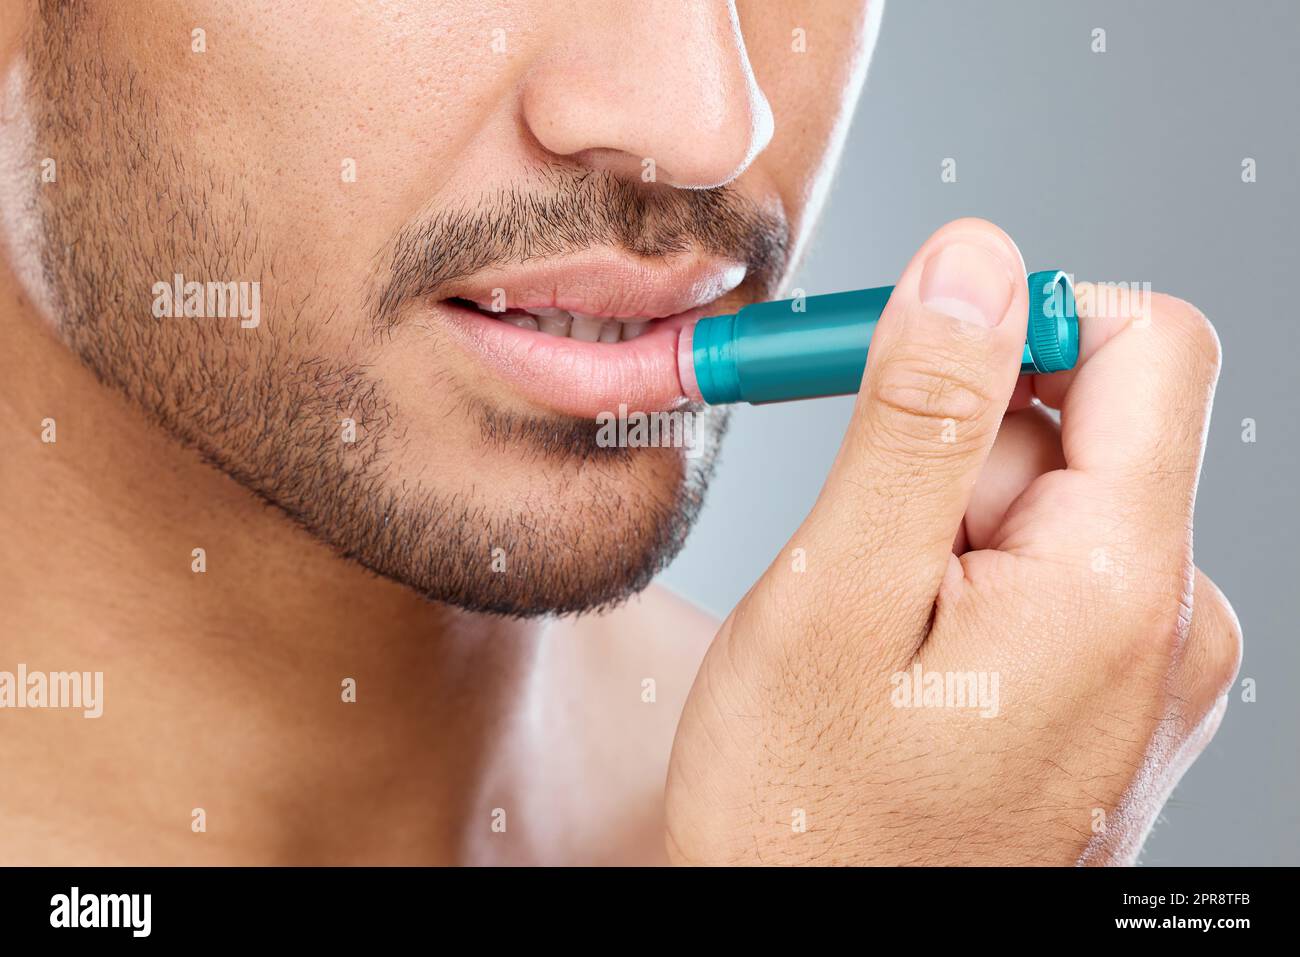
x=1135, y=409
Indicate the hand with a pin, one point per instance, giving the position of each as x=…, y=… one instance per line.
x=1080, y=660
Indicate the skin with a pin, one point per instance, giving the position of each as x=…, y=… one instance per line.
x=223, y=688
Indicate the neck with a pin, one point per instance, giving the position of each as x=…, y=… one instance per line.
x=223, y=689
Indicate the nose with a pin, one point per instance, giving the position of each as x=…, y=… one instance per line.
x=659, y=89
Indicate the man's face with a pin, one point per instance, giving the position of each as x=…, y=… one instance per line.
x=378, y=179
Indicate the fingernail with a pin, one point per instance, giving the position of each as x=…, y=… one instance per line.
x=968, y=283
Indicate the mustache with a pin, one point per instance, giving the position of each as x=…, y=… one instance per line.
x=577, y=211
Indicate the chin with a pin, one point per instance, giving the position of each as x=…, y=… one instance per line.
x=543, y=525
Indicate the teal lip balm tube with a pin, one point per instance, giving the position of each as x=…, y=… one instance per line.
x=817, y=346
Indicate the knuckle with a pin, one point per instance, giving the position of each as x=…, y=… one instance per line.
x=1190, y=328
x=1164, y=625
x=1220, y=658
x=930, y=406
x=1227, y=661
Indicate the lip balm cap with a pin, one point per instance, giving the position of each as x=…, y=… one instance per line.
x=1053, y=336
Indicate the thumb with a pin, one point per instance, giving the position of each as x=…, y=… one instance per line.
x=943, y=362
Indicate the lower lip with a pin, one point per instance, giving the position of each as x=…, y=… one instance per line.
x=577, y=378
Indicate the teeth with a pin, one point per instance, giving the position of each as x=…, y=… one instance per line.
x=574, y=325
x=555, y=325
x=585, y=328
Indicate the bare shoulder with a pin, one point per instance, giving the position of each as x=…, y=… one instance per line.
x=658, y=617
x=658, y=639
x=650, y=648
x=616, y=684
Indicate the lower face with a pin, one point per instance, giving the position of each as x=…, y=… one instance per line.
x=438, y=423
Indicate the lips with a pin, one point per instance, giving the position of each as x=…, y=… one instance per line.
x=587, y=334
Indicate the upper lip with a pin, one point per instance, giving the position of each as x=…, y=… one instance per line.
x=604, y=283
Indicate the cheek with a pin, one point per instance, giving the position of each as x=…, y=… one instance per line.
x=335, y=122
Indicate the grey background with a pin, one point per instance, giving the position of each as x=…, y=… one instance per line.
x=1120, y=166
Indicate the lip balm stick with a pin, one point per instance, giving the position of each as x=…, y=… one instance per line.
x=817, y=346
